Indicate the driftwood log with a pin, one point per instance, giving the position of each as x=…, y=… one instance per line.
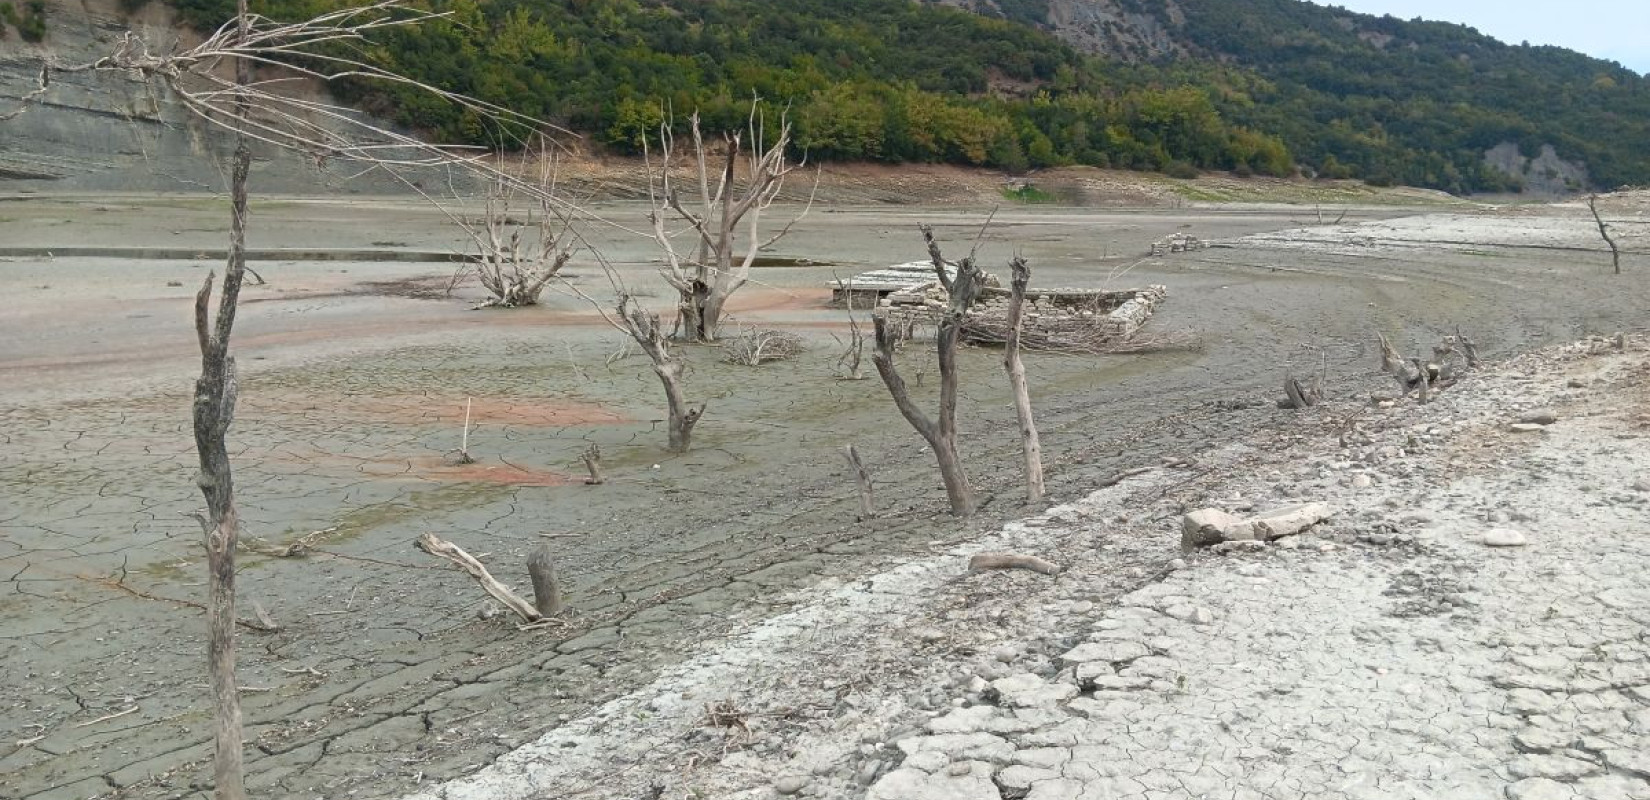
x=990, y=561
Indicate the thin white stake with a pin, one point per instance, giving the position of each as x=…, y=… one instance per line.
x=464, y=447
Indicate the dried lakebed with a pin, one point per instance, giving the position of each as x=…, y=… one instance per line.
x=383, y=677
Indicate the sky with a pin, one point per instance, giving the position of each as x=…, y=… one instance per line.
x=1618, y=30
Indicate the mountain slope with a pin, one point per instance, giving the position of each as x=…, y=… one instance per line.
x=1173, y=85
x=1388, y=99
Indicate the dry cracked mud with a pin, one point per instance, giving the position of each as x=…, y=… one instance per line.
x=384, y=678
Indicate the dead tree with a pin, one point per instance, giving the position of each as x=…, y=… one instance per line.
x=233, y=101
x=1032, y=448
x=941, y=432
x=643, y=326
x=849, y=361
x=514, y=265
x=722, y=256
x=1604, y=231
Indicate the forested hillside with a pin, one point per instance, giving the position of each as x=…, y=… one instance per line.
x=1270, y=82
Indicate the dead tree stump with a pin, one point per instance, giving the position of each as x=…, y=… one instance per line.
x=862, y=477
x=541, y=568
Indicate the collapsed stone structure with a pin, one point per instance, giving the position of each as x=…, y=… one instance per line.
x=909, y=296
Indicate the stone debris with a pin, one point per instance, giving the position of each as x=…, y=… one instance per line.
x=1068, y=319
x=1177, y=243
x=1211, y=526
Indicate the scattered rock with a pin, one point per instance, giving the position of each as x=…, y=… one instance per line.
x=1540, y=416
x=790, y=784
x=1205, y=527
x=1504, y=537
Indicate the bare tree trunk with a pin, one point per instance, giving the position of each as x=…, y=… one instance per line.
x=1017, y=379
x=1604, y=231
x=214, y=411
x=862, y=478
x=644, y=328
x=941, y=433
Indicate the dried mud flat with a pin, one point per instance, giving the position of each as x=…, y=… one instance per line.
x=385, y=679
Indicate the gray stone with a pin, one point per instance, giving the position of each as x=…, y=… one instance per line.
x=1504, y=537
x=1540, y=416
x=790, y=784
x=1197, y=615
x=1526, y=427
x=1205, y=527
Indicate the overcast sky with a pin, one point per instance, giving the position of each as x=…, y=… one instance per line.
x=1615, y=29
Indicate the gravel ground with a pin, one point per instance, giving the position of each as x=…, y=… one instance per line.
x=1390, y=652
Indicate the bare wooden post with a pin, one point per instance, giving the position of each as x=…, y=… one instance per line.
x=464, y=440
x=940, y=433
x=1032, y=448
x=593, y=462
x=862, y=477
x=1604, y=231
x=541, y=568
x=643, y=326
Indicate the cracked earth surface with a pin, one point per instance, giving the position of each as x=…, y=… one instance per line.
x=1387, y=653
x=383, y=679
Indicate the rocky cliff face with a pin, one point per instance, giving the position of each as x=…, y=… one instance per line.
x=1546, y=173
x=106, y=131
x=1114, y=28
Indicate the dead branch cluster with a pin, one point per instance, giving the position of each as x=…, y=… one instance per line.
x=757, y=347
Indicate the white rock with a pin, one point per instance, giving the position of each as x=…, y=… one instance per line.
x=1504, y=537
x=1029, y=691
x=1362, y=481
x=1110, y=651
x=1204, y=527
x=1289, y=520
x=910, y=784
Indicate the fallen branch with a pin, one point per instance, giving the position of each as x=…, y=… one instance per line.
x=107, y=717
x=990, y=561
x=452, y=552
